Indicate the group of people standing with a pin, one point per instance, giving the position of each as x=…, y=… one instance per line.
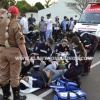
x=48, y=28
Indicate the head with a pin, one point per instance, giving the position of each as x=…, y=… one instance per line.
x=32, y=15
x=56, y=18
x=22, y=15
x=75, y=15
x=71, y=19
x=48, y=16
x=65, y=17
x=42, y=18
x=26, y=84
x=49, y=42
x=77, y=43
x=70, y=36
x=14, y=12
x=64, y=42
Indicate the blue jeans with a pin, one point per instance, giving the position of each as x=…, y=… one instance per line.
x=28, y=40
x=48, y=34
x=57, y=73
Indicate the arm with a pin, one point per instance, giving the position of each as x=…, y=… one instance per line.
x=24, y=52
x=43, y=63
x=20, y=40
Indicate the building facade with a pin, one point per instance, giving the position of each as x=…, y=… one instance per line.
x=58, y=9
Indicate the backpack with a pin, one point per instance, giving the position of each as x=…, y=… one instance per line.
x=70, y=95
x=62, y=85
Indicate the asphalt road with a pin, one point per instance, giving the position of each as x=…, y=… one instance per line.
x=90, y=84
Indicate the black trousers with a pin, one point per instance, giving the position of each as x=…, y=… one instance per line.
x=91, y=53
x=56, y=33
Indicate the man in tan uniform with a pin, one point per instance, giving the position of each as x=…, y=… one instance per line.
x=11, y=43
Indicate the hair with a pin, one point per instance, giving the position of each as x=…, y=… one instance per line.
x=50, y=40
x=71, y=35
x=65, y=17
x=42, y=16
x=71, y=18
x=64, y=40
x=23, y=15
x=13, y=16
x=77, y=41
x=22, y=86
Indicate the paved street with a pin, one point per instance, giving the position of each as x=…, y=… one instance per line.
x=90, y=84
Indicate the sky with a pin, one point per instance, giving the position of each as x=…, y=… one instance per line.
x=32, y=2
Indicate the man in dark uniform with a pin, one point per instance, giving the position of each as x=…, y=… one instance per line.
x=44, y=49
x=11, y=43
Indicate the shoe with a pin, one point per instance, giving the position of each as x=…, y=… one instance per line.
x=16, y=94
x=6, y=91
x=85, y=74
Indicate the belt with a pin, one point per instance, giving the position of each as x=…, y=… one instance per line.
x=5, y=46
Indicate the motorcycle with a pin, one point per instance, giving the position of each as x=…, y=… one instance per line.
x=33, y=35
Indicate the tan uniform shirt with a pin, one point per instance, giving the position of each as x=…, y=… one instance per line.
x=15, y=34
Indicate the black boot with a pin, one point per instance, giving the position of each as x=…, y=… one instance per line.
x=6, y=91
x=16, y=94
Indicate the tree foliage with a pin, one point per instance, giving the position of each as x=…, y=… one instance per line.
x=39, y=6
x=48, y=3
x=6, y=3
x=33, y=9
x=79, y=5
x=98, y=0
x=23, y=6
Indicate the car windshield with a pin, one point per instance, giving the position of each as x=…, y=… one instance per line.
x=90, y=18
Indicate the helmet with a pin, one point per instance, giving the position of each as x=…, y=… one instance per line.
x=14, y=10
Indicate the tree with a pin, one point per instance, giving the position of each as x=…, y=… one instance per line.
x=6, y=3
x=79, y=5
x=98, y=0
x=47, y=3
x=23, y=6
x=33, y=9
x=39, y=6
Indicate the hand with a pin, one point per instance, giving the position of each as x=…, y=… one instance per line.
x=27, y=62
x=38, y=58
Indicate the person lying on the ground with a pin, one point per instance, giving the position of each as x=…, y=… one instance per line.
x=37, y=80
x=53, y=67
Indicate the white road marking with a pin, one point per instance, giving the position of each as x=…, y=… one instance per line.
x=46, y=93
x=94, y=65
x=29, y=96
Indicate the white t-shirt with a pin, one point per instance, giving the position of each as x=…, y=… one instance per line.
x=49, y=24
x=24, y=24
x=57, y=26
x=71, y=25
x=76, y=18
